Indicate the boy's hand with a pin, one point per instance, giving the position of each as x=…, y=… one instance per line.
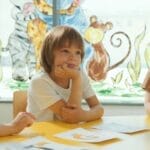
x=22, y=120
x=67, y=71
x=72, y=114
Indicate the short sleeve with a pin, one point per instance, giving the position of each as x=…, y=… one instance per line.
x=43, y=94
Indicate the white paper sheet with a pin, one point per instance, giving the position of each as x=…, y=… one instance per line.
x=84, y=135
x=37, y=143
x=118, y=127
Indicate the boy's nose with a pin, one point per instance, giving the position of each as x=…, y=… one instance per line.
x=71, y=56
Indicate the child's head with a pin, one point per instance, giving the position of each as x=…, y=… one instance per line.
x=57, y=38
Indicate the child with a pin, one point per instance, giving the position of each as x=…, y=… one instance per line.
x=146, y=87
x=59, y=90
x=22, y=120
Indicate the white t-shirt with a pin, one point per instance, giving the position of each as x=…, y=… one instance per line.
x=44, y=92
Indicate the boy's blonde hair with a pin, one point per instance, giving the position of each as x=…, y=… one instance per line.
x=57, y=38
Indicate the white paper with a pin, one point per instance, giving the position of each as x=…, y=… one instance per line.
x=118, y=127
x=45, y=143
x=37, y=143
x=10, y=146
x=84, y=135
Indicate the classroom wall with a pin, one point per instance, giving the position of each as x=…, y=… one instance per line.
x=124, y=109
x=6, y=110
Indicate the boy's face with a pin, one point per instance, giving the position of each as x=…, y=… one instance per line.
x=71, y=56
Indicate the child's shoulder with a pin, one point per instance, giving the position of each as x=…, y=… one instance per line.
x=39, y=76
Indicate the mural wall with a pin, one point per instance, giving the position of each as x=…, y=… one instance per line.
x=117, y=49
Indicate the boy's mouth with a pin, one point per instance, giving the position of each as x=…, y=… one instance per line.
x=71, y=66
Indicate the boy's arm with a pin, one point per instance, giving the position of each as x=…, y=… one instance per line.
x=64, y=112
x=73, y=101
x=22, y=120
x=6, y=129
x=95, y=111
x=76, y=93
x=77, y=114
x=76, y=90
x=57, y=108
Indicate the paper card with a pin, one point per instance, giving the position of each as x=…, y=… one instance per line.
x=83, y=135
x=118, y=127
x=26, y=144
x=41, y=142
x=52, y=146
x=37, y=143
x=10, y=146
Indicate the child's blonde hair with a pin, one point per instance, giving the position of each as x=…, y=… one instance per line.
x=57, y=38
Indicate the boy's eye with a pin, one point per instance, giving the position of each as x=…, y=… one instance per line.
x=78, y=52
x=65, y=51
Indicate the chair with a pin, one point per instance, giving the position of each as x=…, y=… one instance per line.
x=19, y=102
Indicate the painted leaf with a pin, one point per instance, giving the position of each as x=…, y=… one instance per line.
x=137, y=65
x=147, y=55
x=131, y=72
x=113, y=80
x=139, y=39
x=127, y=84
x=119, y=77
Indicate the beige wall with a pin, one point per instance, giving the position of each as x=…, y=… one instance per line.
x=6, y=110
x=124, y=109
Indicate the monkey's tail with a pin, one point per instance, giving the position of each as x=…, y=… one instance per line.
x=118, y=45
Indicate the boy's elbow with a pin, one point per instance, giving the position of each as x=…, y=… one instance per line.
x=98, y=112
x=101, y=111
